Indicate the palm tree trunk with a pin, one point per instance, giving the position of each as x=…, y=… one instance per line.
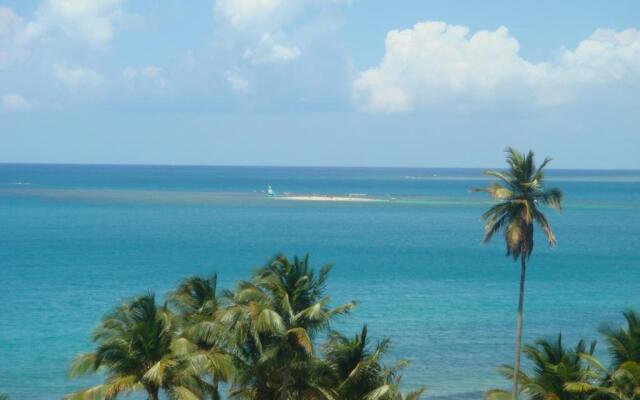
x=215, y=393
x=516, y=368
x=262, y=390
x=284, y=394
x=152, y=393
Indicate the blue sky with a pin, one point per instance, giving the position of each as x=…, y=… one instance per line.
x=319, y=82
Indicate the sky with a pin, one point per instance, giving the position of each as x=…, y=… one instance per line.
x=414, y=83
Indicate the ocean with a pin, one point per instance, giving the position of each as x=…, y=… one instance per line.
x=77, y=239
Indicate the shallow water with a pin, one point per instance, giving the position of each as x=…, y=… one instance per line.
x=77, y=239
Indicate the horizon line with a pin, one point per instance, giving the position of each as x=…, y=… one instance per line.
x=2, y=163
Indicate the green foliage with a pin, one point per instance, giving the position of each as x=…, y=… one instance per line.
x=273, y=320
x=621, y=384
x=624, y=343
x=518, y=193
x=134, y=349
x=560, y=373
x=357, y=371
x=554, y=367
x=259, y=338
x=197, y=341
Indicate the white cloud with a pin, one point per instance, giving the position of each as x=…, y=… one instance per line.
x=282, y=51
x=268, y=50
x=56, y=23
x=238, y=82
x=10, y=22
x=90, y=21
x=440, y=66
x=77, y=78
x=255, y=14
x=15, y=102
x=149, y=74
x=11, y=26
x=607, y=55
x=258, y=27
x=263, y=14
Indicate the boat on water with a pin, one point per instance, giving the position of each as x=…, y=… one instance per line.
x=270, y=192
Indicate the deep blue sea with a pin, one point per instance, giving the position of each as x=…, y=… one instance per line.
x=75, y=240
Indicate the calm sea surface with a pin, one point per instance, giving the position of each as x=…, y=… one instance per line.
x=75, y=240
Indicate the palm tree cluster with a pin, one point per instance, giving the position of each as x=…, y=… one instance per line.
x=562, y=373
x=258, y=341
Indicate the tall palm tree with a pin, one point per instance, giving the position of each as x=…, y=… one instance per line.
x=199, y=338
x=558, y=373
x=518, y=192
x=274, y=319
x=358, y=372
x=134, y=350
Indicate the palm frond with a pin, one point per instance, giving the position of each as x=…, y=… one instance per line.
x=93, y=393
x=183, y=393
x=416, y=394
x=543, y=223
x=301, y=338
x=497, y=394
x=378, y=393
x=553, y=198
x=156, y=373
x=83, y=364
x=579, y=387
x=121, y=384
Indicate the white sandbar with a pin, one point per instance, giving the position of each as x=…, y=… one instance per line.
x=327, y=198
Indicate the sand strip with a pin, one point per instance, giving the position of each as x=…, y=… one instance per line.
x=328, y=198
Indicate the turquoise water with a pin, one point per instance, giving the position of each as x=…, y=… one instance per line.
x=74, y=240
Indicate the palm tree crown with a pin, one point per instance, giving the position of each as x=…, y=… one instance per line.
x=624, y=344
x=358, y=372
x=196, y=297
x=199, y=340
x=519, y=191
x=134, y=349
x=557, y=371
x=273, y=319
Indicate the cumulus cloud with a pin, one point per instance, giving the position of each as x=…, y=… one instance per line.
x=607, y=55
x=263, y=27
x=14, y=102
x=434, y=65
x=268, y=51
x=150, y=74
x=10, y=23
x=93, y=22
x=58, y=22
x=11, y=30
x=285, y=52
x=237, y=82
x=77, y=78
x=256, y=14
x=259, y=27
